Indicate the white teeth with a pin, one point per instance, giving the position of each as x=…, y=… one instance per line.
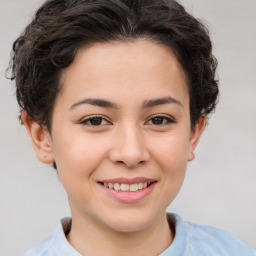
x=116, y=186
x=134, y=187
x=140, y=185
x=110, y=185
x=126, y=187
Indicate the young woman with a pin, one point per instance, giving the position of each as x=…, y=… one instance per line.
x=115, y=94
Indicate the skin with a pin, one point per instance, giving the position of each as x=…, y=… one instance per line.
x=127, y=141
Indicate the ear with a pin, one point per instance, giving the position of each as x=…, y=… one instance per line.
x=195, y=136
x=40, y=138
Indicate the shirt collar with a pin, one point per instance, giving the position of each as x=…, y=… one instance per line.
x=178, y=246
x=63, y=247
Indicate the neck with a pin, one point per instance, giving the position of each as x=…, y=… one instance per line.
x=89, y=237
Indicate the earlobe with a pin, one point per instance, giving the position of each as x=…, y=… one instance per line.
x=40, y=138
x=195, y=136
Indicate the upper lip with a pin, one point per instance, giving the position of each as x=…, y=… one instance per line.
x=122, y=180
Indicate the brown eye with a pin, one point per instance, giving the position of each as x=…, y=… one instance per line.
x=94, y=121
x=157, y=120
x=160, y=120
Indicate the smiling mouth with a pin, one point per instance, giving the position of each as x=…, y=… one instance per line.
x=126, y=187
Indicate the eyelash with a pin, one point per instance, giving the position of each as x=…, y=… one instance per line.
x=168, y=120
x=88, y=121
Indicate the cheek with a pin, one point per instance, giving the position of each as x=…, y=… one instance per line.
x=78, y=156
x=172, y=152
x=171, y=157
x=77, y=159
x=173, y=164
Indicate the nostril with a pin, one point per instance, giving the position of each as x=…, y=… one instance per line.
x=129, y=164
x=129, y=158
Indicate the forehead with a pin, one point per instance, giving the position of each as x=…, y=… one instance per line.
x=113, y=69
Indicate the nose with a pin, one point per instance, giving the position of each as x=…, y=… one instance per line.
x=129, y=148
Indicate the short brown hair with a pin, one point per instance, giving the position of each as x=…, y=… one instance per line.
x=61, y=27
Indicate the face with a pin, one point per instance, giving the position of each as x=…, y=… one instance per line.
x=121, y=133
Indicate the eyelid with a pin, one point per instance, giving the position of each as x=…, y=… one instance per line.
x=88, y=118
x=170, y=120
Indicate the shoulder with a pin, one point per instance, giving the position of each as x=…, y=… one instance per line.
x=206, y=240
x=56, y=244
x=44, y=248
x=214, y=240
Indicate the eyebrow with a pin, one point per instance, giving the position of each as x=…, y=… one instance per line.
x=107, y=104
x=161, y=101
x=96, y=102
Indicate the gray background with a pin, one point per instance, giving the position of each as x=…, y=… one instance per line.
x=220, y=187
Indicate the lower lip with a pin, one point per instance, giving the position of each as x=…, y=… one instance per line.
x=128, y=196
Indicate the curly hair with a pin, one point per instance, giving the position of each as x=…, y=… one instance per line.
x=60, y=28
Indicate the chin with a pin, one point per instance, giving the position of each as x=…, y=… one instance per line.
x=131, y=222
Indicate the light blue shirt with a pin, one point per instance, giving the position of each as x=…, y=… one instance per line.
x=190, y=240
